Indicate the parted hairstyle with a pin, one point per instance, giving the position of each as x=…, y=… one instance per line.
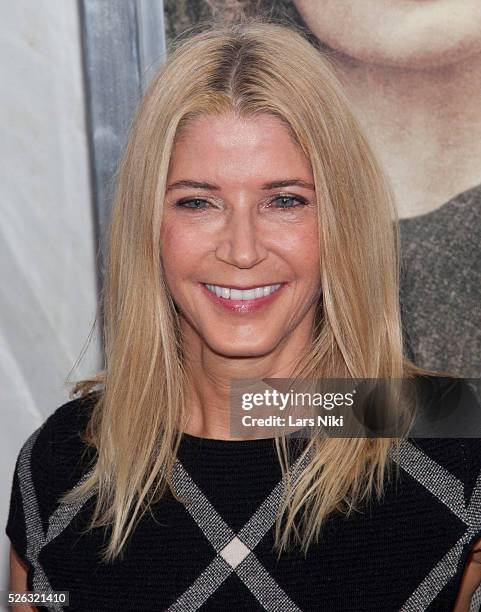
x=248, y=67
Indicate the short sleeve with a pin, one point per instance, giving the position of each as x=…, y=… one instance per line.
x=28, y=488
x=15, y=528
x=50, y=463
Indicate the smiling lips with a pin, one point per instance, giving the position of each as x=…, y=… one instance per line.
x=242, y=300
x=243, y=294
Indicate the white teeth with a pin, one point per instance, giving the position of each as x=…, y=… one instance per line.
x=243, y=294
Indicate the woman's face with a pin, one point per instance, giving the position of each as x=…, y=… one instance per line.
x=240, y=215
x=407, y=33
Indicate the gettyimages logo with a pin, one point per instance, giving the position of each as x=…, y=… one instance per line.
x=422, y=407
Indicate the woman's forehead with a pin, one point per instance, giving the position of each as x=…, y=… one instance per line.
x=230, y=148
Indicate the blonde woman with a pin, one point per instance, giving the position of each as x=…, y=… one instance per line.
x=252, y=236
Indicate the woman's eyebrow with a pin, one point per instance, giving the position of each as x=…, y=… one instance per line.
x=288, y=183
x=211, y=187
x=192, y=184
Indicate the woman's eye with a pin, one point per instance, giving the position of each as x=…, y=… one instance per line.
x=282, y=202
x=286, y=202
x=193, y=204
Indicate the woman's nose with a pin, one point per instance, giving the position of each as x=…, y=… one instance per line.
x=241, y=243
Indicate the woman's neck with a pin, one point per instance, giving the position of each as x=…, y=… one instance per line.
x=208, y=396
x=425, y=126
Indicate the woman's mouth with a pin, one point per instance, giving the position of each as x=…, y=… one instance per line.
x=243, y=300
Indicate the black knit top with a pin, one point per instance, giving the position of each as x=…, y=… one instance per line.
x=406, y=552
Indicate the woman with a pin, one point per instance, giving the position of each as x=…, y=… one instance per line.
x=251, y=237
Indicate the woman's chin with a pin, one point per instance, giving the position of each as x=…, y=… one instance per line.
x=243, y=348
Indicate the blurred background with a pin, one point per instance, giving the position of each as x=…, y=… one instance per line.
x=72, y=73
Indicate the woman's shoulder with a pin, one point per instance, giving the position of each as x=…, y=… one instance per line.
x=445, y=407
x=443, y=449
x=443, y=459
x=59, y=440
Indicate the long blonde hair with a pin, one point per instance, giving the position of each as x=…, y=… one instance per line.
x=248, y=67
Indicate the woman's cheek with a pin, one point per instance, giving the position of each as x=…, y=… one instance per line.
x=302, y=245
x=178, y=239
